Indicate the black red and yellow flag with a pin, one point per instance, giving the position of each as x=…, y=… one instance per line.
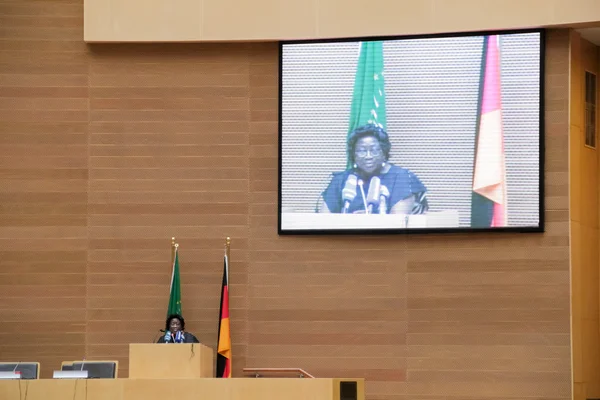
x=224, y=341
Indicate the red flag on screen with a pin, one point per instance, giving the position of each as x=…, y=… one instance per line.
x=488, y=204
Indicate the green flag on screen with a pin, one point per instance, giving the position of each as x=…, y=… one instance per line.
x=175, y=297
x=368, y=100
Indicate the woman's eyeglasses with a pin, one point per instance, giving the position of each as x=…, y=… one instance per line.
x=363, y=152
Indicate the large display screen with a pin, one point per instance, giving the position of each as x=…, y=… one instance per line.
x=390, y=135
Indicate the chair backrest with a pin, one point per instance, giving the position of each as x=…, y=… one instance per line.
x=96, y=369
x=29, y=370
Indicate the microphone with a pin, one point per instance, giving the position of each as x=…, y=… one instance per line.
x=179, y=337
x=373, y=194
x=384, y=194
x=15, y=369
x=168, y=336
x=349, y=192
x=362, y=192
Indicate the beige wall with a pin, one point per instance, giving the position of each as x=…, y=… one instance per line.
x=583, y=174
x=109, y=150
x=210, y=20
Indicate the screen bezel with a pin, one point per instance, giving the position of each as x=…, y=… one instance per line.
x=395, y=231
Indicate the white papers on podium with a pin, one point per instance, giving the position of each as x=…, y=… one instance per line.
x=315, y=221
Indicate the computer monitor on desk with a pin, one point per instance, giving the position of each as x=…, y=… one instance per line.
x=19, y=370
x=87, y=369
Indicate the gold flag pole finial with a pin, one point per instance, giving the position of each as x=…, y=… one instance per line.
x=227, y=246
x=227, y=255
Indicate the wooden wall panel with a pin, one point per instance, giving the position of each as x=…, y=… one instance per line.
x=439, y=316
x=110, y=150
x=168, y=142
x=43, y=181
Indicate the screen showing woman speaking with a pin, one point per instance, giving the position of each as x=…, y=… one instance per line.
x=429, y=133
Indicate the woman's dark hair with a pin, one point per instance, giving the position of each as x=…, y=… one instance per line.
x=172, y=317
x=368, y=130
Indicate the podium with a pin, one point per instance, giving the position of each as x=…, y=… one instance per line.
x=165, y=361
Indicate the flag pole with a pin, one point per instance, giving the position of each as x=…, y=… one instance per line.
x=172, y=251
x=227, y=251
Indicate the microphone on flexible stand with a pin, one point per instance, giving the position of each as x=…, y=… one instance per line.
x=15, y=370
x=384, y=195
x=349, y=192
x=373, y=194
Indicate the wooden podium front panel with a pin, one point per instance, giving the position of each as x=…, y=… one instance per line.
x=281, y=388
x=180, y=389
x=164, y=361
x=230, y=389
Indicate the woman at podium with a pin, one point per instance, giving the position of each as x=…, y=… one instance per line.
x=174, y=331
x=396, y=191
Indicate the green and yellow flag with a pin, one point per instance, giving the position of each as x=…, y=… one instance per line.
x=368, y=100
x=175, y=296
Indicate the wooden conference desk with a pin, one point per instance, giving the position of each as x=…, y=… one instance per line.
x=179, y=372
x=180, y=389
